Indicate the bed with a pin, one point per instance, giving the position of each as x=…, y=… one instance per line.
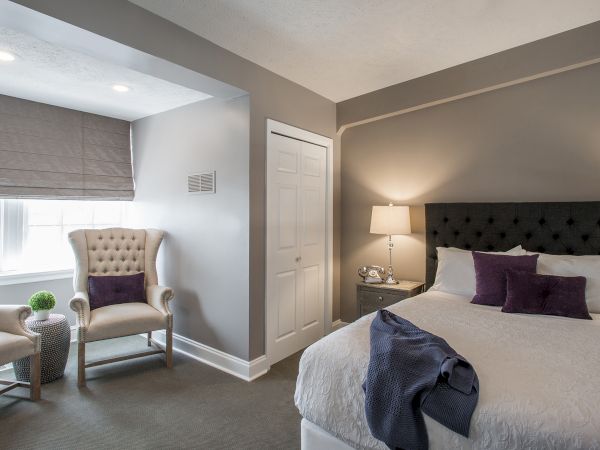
x=539, y=375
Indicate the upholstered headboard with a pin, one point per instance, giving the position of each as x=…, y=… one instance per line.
x=557, y=227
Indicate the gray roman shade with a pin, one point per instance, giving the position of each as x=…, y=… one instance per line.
x=57, y=153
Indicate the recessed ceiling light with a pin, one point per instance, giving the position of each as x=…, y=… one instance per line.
x=120, y=88
x=6, y=56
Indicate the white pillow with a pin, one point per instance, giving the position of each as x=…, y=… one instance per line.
x=587, y=266
x=456, y=270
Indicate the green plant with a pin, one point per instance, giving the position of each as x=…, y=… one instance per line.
x=42, y=300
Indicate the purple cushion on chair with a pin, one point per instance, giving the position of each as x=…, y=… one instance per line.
x=111, y=290
x=531, y=293
x=490, y=275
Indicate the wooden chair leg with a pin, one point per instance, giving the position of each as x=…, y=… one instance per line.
x=169, y=348
x=35, y=387
x=149, y=338
x=81, y=364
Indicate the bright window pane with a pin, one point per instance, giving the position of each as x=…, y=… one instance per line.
x=43, y=248
x=108, y=213
x=77, y=213
x=39, y=240
x=40, y=212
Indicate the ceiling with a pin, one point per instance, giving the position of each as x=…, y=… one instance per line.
x=344, y=48
x=52, y=74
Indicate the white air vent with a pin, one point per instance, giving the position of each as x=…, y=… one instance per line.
x=202, y=183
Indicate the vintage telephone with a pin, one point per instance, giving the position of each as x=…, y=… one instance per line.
x=371, y=274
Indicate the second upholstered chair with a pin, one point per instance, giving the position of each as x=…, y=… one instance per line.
x=16, y=342
x=116, y=252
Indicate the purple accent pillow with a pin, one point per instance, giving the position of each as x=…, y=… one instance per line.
x=531, y=293
x=111, y=290
x=490, y=275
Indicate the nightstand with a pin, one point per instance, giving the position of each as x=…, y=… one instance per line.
x=372, y=297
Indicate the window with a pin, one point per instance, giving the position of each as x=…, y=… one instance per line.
x=34, y=232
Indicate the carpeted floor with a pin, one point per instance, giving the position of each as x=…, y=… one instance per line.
x=139, y=404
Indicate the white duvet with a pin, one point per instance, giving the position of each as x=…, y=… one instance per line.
x=539, y=377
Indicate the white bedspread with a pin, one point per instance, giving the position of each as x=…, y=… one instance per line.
x=539, y=377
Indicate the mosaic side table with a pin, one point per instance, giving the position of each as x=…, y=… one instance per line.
x=56, y=338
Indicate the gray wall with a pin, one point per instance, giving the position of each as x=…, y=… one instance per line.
x=18, y=294
x=271, y=96
x=537, y=141
x=204, y=257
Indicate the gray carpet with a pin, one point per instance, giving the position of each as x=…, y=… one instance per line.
x=140, y=404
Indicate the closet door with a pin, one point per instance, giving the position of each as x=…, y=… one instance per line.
x=296, y=212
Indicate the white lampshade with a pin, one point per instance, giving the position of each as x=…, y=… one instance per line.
x=390, y=220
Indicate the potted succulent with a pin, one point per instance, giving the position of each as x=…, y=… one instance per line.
x=41, y=303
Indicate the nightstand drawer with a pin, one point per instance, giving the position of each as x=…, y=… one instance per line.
x=370, y=301
x=371, y=297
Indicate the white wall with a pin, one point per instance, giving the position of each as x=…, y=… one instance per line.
x=205, y=256
x=18, y=294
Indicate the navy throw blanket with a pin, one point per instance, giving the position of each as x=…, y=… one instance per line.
x=410, y=372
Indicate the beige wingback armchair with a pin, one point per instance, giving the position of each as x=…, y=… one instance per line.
x=117, y=252
x=16, y=342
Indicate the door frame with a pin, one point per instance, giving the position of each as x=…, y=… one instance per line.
x=276, y=127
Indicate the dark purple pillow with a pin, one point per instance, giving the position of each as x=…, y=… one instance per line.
x=490, y=275
x=531, y=293
x=111, y=290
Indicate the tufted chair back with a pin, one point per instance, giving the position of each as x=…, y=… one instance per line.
x=114, y=251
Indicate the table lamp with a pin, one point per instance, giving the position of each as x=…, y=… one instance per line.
x=390, y=220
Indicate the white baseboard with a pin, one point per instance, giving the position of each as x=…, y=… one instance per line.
x=246, y=370
x=337, y=325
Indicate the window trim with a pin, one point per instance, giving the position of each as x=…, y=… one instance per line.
x=12, y=231
x=8, y=278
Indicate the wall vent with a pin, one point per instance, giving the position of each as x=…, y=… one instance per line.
x=202, y=183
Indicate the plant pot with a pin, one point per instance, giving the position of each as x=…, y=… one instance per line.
x=41, y=314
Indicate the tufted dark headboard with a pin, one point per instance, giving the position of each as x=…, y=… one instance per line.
x=559, y=228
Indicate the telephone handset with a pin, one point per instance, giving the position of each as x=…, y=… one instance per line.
x=371, y=274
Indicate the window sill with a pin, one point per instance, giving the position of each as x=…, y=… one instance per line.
x=8, y=278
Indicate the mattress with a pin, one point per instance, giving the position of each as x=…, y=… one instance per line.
x=539, y=377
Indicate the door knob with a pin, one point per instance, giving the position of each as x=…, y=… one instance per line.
x=298, y=258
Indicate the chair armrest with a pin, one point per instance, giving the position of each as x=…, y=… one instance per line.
x=159, y=297
x=80, y=303
x=12, y=320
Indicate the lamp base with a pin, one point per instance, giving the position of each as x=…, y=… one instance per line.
x=390, y=280
x=390, y=276
x=390, y=272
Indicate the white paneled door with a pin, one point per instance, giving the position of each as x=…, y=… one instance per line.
x=296, y=238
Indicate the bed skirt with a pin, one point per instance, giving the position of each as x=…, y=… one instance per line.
x=314, y=437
